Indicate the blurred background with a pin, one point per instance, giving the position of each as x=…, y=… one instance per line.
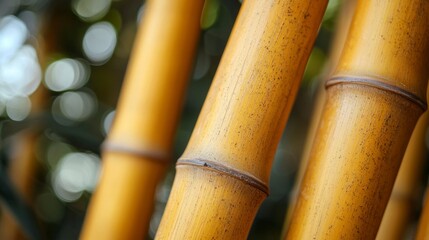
x=62, y=63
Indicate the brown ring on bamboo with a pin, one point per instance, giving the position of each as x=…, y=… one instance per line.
x=152, y=154
x=216, y=167
x=373, y=82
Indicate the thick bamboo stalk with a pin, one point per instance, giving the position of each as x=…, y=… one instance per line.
x=423, y=228
x=373, y=102
x=139, y=145
x=223, y=175
x=399, y=210
x=342, y=28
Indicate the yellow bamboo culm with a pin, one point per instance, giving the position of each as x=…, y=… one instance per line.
x=423, y=227
x=342, y=28
x=138, y=148
x=222, y=176
x=399, y=210
x=24, y=167
x=374, y=100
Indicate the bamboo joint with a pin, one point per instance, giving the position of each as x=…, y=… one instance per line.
x=379, y=84
x=220, y=168
x=138, y=151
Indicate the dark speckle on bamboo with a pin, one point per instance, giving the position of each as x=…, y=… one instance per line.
x=242, y=121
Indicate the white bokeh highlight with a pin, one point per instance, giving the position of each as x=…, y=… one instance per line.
x=99, y=42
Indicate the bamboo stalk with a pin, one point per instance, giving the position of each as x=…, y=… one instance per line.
x=423, y=227
x=342, y=28
x=24, y=167
x=23, y=174
x=138, y=148
x=223, y=175
x=401, y=204
x=373, y=103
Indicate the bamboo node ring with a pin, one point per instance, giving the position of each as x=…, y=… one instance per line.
x=371, y=82
x=149, y=153
x=220, y=168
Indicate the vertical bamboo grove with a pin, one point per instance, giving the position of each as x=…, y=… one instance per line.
x=374, y=99
x=399, y=210
x=137, y=150
x=222, y=176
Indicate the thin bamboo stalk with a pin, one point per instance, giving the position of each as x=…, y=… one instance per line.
x=222, y=176
x=23, y=174
x=373, y=103
x=399, y=210
x=342, y=28
x=138, y=148
x=423, y=228
x=24, y=167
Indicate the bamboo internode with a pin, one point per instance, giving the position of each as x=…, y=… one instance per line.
x=341, y=30
x=137, y=150
x=223, y=175
x=399, y=210
x=373, y=102
x=423, y=228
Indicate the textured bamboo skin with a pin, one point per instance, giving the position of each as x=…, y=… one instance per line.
x=400, y=207
x=423, y=228
x=138, y=147
x=372, y=106
x=342, y=28
x=222, y=176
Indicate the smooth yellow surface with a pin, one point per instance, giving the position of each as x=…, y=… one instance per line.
x=242, y=119
x=423, y=228
x=152, y=95
x=255, y=85
x=341, y=31
x=397, y=216
x=124, y=198
x=389, y=39
x=146, y=119
x=348, y=180
x=226, y=202
x=364, y=131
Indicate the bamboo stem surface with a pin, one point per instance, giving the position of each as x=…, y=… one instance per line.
x=399, y=210
x=342, y=29
x=138, y=148
x=374, y=99
x=223, y=175
x=423, y=227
